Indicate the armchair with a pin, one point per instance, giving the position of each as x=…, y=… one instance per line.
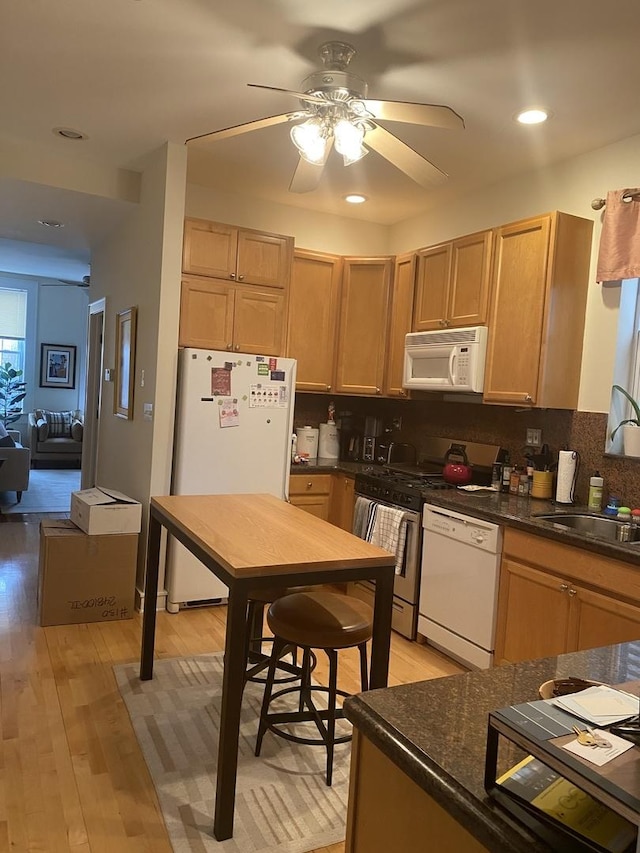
x=55, y=436
x=15, y=463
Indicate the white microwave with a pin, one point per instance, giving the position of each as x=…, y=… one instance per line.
x=447, y=360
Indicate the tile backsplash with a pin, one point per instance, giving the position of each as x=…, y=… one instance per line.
x=503, y=425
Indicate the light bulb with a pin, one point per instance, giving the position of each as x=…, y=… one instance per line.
x=348, y=139
x=310, y=141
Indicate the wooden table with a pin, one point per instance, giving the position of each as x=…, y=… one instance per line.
x=252, y=541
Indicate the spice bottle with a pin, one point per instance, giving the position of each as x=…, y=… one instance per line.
x=514, y=481
x=506, y=474
x=595, y=492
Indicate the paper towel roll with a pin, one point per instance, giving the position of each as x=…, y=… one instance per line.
x=307, y=442
x=328, y=445
x=566, y=478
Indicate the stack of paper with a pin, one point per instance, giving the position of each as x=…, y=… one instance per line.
x=600, y=705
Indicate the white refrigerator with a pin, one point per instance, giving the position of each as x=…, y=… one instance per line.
x=234, y=421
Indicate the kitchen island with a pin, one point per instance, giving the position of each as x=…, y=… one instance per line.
x=418, y=757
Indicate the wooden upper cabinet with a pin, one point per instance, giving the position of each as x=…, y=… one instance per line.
x=206, y=314
x=539, y=291
x=362, y=337
x=453, y=283
x=399, y=323
x=470, y=281
x=432, y=285
x=239, y=254
x=221, y=316
x=259, y=321
x=313, y=318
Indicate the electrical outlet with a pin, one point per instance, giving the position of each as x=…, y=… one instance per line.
x=397, y=423
x=534, y=437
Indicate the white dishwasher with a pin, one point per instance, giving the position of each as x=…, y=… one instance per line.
x=459, y=585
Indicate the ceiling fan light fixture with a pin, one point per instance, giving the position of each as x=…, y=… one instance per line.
x=310, y=140
x=348, y=141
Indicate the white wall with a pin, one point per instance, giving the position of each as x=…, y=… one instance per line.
x=570, y=187
x=321, y=232
x=139, y=265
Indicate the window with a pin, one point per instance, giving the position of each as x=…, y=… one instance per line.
x=13, y=327
x=627, y=362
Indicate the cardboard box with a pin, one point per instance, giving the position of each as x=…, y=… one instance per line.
x=84, y=578
x=98, y=511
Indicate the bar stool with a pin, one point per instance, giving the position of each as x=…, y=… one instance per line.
x=257, y=660
x=314, y=620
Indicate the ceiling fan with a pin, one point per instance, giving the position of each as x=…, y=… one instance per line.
x=336, y=113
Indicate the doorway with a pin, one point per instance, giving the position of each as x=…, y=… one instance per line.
x=95, y=351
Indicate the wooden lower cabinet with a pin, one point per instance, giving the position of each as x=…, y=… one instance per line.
x=328, y=496
x=556, y=598
x=342, y=501
x=312, y=493
x=387, y=811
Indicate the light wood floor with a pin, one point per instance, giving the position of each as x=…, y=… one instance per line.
x=72, y=777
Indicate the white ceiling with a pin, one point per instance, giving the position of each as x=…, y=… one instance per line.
x=134, y=73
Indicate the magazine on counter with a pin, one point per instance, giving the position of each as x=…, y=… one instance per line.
x=553, y=798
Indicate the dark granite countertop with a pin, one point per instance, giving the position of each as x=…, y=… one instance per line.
x=500, y=508
x=435, y=732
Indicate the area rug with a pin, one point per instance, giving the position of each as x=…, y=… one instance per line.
x=49, y=491
x=282, y=801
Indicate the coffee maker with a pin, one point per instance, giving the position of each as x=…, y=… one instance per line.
x=350, y=427
x=370, y=440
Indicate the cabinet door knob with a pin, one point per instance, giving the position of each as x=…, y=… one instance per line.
x=564, y=587
x=442, y=322
x=240, y=278
x=237, y=347
x=573, y=591
x=229, y=346
x=378, y=391
x=328, y=387
x=309, y=485
x=232, y=275
x=528, y=398
x=403, y=393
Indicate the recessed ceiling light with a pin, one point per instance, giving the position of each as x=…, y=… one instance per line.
x=533, y=116
x=69, y=133
x=50, y=223
x=355, y=198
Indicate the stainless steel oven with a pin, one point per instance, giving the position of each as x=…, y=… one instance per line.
x=406, y=588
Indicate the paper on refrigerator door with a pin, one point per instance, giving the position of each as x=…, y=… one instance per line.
x=229, y=414
x=268, y=396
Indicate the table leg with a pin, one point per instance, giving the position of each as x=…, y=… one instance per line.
x=381, y=640
x=150, y=599
x=232, y=689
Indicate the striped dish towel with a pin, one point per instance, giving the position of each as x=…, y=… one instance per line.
x=361, y=516
x=389, y=531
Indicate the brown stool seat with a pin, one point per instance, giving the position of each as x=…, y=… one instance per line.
x=321, y=620
x=314, y=620
x=257, y=660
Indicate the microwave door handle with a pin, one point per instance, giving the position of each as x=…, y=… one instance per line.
x=452, y=366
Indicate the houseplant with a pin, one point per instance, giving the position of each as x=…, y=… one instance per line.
x=630, y=427
x=12, y=393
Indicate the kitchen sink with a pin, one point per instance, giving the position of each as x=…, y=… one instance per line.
x=595, y=525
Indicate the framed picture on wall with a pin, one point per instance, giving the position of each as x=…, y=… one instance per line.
x=57, y=366
x=125, y=363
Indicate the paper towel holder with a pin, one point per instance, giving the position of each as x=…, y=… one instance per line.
x=576, y=456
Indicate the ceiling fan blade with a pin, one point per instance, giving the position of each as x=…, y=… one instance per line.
x=258, y=124
x=307, y=175
x=313, y=99
x=403, y=157
x=431, y=115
